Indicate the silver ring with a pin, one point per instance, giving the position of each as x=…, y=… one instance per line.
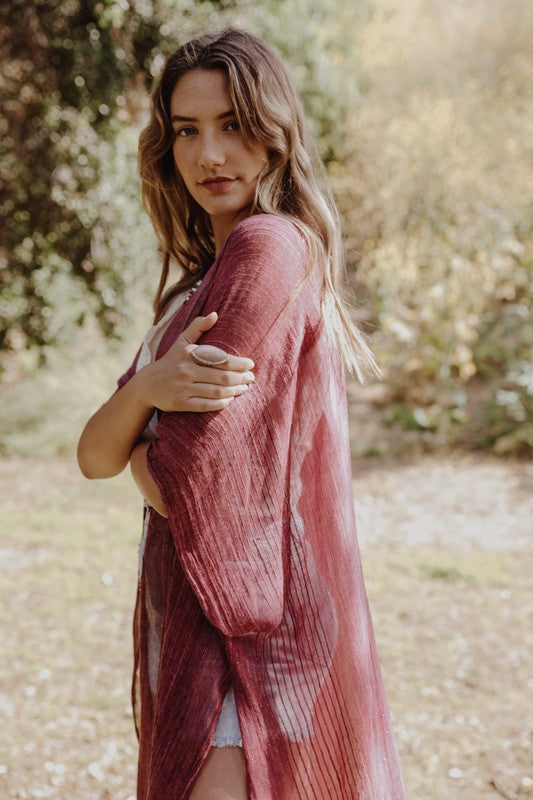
x=209, y=355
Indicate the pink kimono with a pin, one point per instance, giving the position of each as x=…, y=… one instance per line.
x=255, y=579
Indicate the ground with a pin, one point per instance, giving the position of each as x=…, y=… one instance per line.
x=444, y=541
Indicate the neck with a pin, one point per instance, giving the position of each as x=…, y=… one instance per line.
x=222, y=227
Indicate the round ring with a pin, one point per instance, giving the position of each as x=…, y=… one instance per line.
x=209, y=355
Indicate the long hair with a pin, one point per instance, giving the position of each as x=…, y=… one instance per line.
x=293, y=183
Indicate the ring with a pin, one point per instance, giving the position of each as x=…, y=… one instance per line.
x=209, y=355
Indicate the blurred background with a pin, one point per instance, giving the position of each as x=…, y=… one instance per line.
x=422, y=110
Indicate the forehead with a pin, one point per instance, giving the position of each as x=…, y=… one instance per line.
x=200, y=93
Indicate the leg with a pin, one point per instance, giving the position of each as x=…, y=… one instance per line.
x=222, y=777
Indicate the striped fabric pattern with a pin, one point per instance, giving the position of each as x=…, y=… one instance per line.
x=255, y=578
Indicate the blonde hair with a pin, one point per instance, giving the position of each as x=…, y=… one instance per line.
x=293, y=184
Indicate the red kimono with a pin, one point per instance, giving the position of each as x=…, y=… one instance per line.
x=255, y=577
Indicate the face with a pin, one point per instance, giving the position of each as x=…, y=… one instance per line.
x=218, y=168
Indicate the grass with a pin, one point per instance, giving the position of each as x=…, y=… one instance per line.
x=452, y=630
x=45, y=409
x=66, y=610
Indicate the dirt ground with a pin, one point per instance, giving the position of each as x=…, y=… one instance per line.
x=448, y=570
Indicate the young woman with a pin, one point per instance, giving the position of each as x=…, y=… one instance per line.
x=256, y=672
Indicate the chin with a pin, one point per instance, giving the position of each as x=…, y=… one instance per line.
x=226, y=209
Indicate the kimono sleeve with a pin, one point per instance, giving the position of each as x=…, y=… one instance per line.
x=223, y=475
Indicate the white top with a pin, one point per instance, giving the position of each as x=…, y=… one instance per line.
x=149, y=347
x=148, y=350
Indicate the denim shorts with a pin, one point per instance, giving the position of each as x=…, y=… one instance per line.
x=228, y=732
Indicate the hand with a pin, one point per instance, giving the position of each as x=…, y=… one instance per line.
x=177, y=383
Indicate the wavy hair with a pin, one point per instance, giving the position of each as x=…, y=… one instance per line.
x=293, y=183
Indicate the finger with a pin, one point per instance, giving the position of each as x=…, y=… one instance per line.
x=212, y=391
x=198, y=326
x=202, y=404
x=219, y=377
x=235, y=363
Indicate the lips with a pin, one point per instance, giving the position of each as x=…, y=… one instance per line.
x=218, y=179
x=218, y=185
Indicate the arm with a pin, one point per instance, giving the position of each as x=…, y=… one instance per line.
x=222, y=477
x=174, y=382
x=109, y=436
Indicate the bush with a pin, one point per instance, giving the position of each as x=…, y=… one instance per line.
x=438, y=215
x=73, y=80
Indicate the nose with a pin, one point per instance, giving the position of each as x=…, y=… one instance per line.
x=211, y=153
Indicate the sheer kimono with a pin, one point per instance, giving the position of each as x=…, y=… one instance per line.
x=254, y=579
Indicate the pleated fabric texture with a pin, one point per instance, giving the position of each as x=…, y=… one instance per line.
x=255, y=577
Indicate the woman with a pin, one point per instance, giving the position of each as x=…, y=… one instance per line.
x=256, y=672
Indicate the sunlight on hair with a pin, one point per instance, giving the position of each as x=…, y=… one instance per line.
x=294, y=183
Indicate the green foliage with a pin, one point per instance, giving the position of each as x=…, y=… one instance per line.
x=437, y=206
x=65, y=69
x=422, y=118
x=73, y=80
x=441, y=573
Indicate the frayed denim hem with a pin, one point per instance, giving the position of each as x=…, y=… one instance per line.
x=228, y=732
x=226, y=743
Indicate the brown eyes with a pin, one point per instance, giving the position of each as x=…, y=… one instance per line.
x=188, y=130
x=184, y=131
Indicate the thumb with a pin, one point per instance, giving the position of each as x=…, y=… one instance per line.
x=198, y=326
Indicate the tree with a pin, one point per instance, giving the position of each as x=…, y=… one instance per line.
x=73, y=78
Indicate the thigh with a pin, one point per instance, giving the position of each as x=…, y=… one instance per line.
x=222, y=777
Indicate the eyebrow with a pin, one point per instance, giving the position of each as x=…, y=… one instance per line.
x=224, y=115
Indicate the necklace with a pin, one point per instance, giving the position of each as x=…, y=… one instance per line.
x=192, y=289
